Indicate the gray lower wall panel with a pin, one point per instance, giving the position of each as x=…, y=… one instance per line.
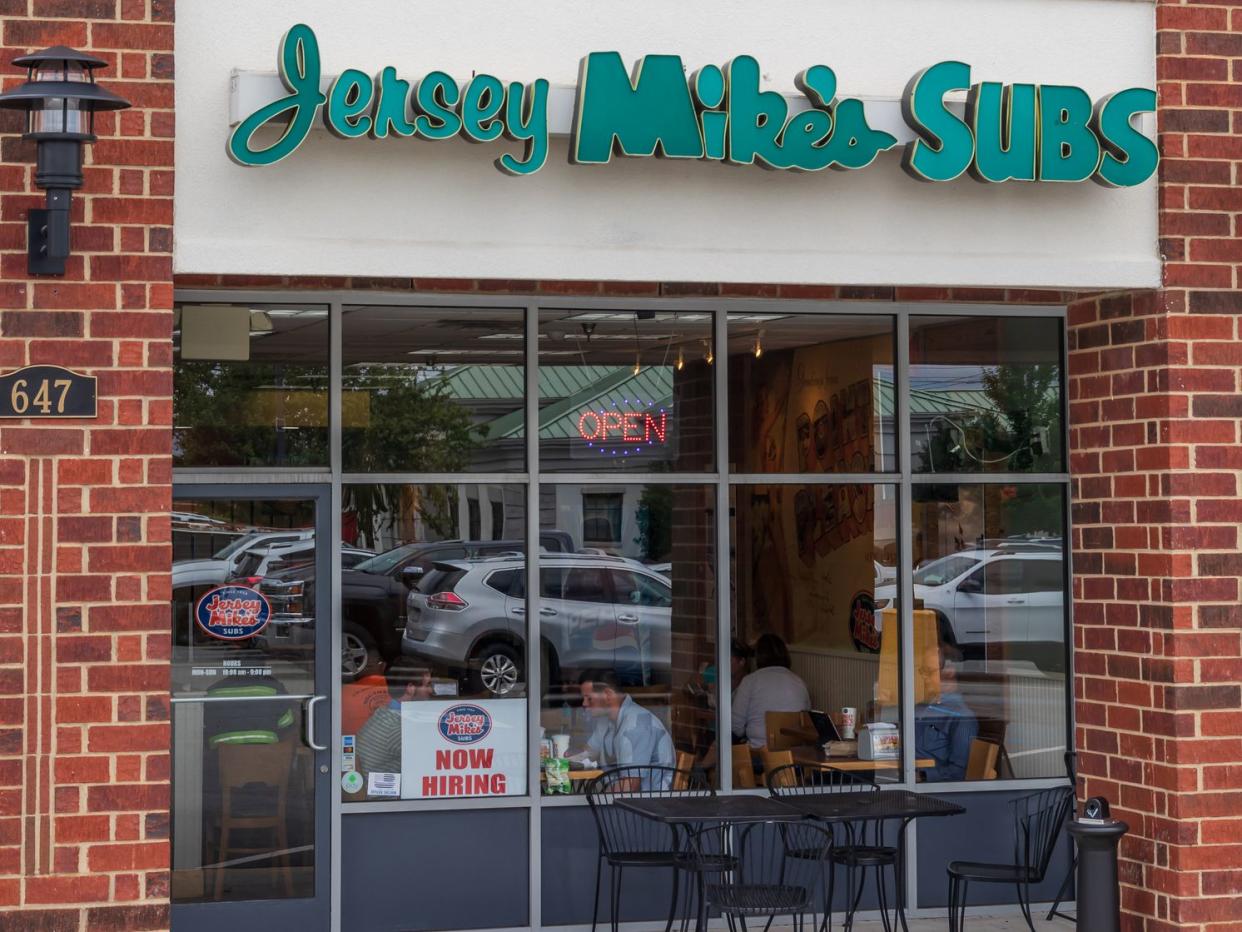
x=985, y=832
x=571, y=852
x=418, y=871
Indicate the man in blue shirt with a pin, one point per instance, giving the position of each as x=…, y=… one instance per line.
x=625, y=733
x=945, y=727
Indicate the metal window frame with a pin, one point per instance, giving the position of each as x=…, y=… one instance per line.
x=720, y=477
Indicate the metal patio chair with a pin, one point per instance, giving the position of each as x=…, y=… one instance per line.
x=777, y=867
x=851, y=849
x=627, y=839
x=1038, y=820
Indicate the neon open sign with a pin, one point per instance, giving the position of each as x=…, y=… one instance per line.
x=623, y=426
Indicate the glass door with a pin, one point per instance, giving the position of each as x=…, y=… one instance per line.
x=251, y=642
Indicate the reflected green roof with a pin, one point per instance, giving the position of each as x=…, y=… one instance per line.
x=928, y=402
x=508, y=382
x=608, y=387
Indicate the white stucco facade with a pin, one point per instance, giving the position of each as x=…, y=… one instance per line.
x=402, y=207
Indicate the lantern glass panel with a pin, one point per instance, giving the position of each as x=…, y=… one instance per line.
x=60, y=115
x=62, y=71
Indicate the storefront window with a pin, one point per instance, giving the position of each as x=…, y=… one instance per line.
x=250, y=385
x=811, y=393
x=989, y=652
x=627, y=625
x=433, y=595
x=432, y=390
x=815, y=624
x=985, y=394
x=625, y=390
x=433, y=639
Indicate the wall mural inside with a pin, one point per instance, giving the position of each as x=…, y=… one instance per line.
x=815, y=408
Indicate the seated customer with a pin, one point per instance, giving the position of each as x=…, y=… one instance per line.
x=944, y=727
x=773, y=687
x=379, y=739
x=625, y=732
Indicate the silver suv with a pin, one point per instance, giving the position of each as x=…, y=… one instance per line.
x=596, y=611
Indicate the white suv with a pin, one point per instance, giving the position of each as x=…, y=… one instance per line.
x=1012, y=594
x=596, y=611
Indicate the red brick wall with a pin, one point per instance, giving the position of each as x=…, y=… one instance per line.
x=1155, y=409
x=84, y=533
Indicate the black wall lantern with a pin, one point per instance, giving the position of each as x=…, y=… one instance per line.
x=60, y=98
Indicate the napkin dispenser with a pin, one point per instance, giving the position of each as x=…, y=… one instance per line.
x=879, y=741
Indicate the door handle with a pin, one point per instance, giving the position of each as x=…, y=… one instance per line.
x=310, y=724
x=518, y=611
x=1015, y=601
x=547, y=612
x=628, y=619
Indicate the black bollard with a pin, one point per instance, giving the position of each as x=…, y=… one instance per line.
x=1099, y=895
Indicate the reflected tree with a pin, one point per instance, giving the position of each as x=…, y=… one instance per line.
x=1020, y=432
x=655, y=522
x=252, y=414
x=397, y=418
x=402, y=419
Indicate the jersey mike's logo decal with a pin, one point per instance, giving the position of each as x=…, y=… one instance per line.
x=232, y=613
x=465, y=724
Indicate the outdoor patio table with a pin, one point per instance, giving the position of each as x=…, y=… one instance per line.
x=689, y=811
x=696, y=810
x=885, y=805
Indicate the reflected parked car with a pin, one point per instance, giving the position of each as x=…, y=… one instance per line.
x=595, y=612
x=373, y=594
x=224, y=563
x=1013, y=595
x=280, y=557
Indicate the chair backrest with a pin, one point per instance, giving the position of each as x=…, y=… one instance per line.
x=685, y=764
x=774, y=722
x=241, y=764
x=743, y=767
x=1038, y=820
x=801, y=779
x=774, y=760
x=623, y=831
x=789, y=854
x=981, y=765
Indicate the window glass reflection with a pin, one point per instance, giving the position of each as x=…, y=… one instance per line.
x=625, y=390
x=811, y=393
x=815, y=624
x=243, y=805
x=985, y=394
x=433, y=390
x=433, y=638
x=250, y=385
x=627, y=622
x=989, y=589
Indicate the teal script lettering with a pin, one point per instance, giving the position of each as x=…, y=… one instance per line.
x=357, y=105
x=719, y=113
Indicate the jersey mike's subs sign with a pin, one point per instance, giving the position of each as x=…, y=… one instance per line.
x=718, y=113
x=463, y=748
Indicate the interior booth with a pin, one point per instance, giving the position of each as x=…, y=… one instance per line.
x=457, y=508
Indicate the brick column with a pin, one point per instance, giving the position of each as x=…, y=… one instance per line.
x=84, y=504
x=1156, y=452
